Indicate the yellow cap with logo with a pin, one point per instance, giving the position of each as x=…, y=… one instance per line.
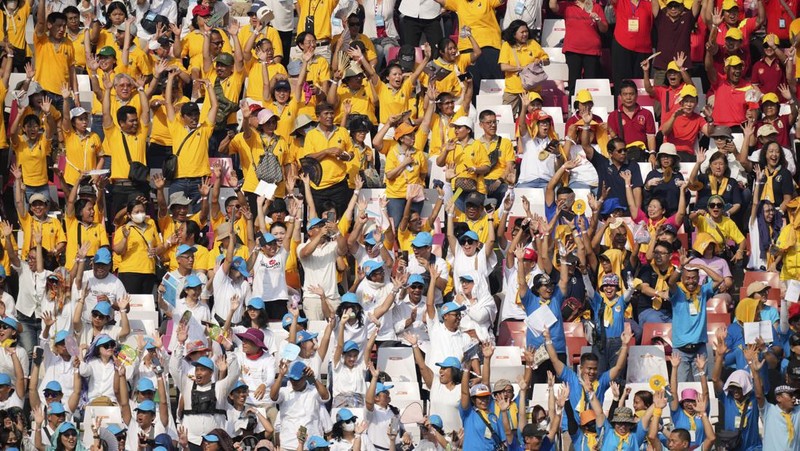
x=733, y=61
x=688, y=91
x=734, y=33
x=583, y=96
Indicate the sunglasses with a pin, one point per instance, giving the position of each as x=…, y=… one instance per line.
x=51, y=394
x=96, y=314
x=416, y=286
x=353, y=24
x=109, y=345
x=4, y=326
x=467, y=241
x=624, y=150
x=216, y=43
x=69, y=434
x=716, y=205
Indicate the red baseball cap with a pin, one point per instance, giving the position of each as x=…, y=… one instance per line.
x=255, y=108
x=530, y=254
x=201, y=10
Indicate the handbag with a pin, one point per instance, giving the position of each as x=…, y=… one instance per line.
x=269, y=168
x=494, y=155
x=170, y=168
x=225, y=107
x=465, y=184
x=532, y=75
x=729, y=440
x=499, y=445
x=137, y=172
x=150, y=21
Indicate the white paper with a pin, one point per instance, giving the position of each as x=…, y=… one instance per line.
x=541, y=319
x=266, y=189
x=94, y=172
x=754, y=330
x=792, y=291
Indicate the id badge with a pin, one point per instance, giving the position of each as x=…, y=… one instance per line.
x=693, y=435
x=633, y=25
x=309, y=25
x=379, y=22
x=781, y=23
x=693, y=310
x=519, y=8
x=487, y=434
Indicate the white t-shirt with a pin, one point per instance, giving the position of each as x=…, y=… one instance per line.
x=110, y=286
x=441, y=265
x=269, y=276
x=349, y=380
x=585, y=172
x=55, y=368
x=402, y=311
x=379, y=420
x=478, y=264
x=444, y=343
x=7, y=364
x=299, y=408
x=101, y=378
x=320, y=269
x=31, y=290
x=13, y=401
x=8, y=302
x=372, y=295
x=445, y=402
x=224, y=290
x=196, y=329
x=531, y=167
x=257, y=372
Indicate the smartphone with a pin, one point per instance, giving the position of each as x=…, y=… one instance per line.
x=330, y=216
x=38, y=354
x=438, y=184
x=404, y=255
x=187, y=315
x=302, y=432
x=465, y=76
x=432, y=259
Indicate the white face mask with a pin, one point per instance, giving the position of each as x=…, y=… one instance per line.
x=138, y=218
x=349, y=427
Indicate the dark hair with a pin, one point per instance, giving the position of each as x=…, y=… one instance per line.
x=441, y=98
x=277, y=224
x=124, y=111
x=190, y=109
x=302, y=37
x=645, y=396
x=511, y=30
x=80, y=204
x=486, y=113
x=628, y=84
x=442, y=45
x=323, y=107
x=665, y=244
x=683, y=434
x=328, y=205
x=31, y=119
x=113, y=6
x=762, y=158
x=71, y=10
x=392, y=65
x=660, y=200
x=56, y=16
x=337, y=431
x=225, y=441
x=589, y=357
x=612, y=144
x=230, y=199
x=719, y=156
x=676, y=163
x=358, y=311
x=564, y=190
x=767, y=233
x=192, y=229
x=262, y=319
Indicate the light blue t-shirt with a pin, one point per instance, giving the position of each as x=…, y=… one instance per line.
x=689, y=324
x=480, y=437
x=751, y=440
x=531, y=302
x=776, y=432
x=618, y=324
x=611, y=441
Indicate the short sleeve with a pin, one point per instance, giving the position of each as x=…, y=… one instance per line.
x=506, y=55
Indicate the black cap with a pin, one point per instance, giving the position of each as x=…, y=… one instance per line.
x=533, y=430
x=190, y=109
x=475, y=198
x=282, y=84
x=406, y=57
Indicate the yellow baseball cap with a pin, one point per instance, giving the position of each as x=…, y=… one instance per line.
x=688, y=91
x=533, y=95
x=773, y=38
x=734, y=33
x=729, y=4
x=583, y=96
x=733, y=61
x=770, y=97
x=673, y=66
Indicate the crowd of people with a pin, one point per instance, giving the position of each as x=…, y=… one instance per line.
x=303, y=187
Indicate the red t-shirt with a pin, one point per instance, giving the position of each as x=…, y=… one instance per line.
x=668, y=105
x=778, y=22
x=698, y=46
x=748, y=26
x=634, y=24
x=722, y=53
x=729, y=104
x=582, y=35
x=685, y=131
x=783, y=125
x=574, y=118
x=768, y=76
x=635, y=128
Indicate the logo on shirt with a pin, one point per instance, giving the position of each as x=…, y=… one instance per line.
x=761, y=71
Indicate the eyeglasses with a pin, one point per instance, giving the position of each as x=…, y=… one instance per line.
x=660, y=253
x=216, y=43
x=456, y=314
x=715, y=205
x=467, y=241
x=489, y=122
x=623, y=150
x=69, y=434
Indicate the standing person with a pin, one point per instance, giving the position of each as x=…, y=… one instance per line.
x=318, y=258
x=673, y=24
x=32, y=148
x=55, y=62
x=420, y=18
x=782, y=419
x=299, y=401
x=483, y=430
x=584, y=21
x=202, y=401
x=632, y=42
x=138, y=245
x=314, y=16
x=635, y=125
x=517, y=52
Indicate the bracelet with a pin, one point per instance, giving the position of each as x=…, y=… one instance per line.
x=441, y=197
x=699, y=374
x=356, y=191
x=657, y=412
x=548, y=342
x=140, y=89
x=288, y=218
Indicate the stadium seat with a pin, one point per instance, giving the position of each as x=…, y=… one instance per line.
x=557, y=71
x=512, y=332
x=496, y=86
x=770, y=278
x=488, y=101
x=507, y=363
x=574, y=330
x=716, y=305
x=595, y=86
x=718, y=318
x=555, y=112
x=556, y=54
x=651, y=330
x=553, y=32
x=575, y=348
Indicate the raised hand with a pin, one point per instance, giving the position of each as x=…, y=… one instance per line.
x=675, y=359
x=700, y=361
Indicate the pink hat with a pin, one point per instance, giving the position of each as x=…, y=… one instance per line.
x=254, y=336
x=688, y=394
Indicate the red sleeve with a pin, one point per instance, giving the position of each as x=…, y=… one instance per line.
x=612, y=122
x=599, y=11
x=658, y=93
x=562, y=8
x=640, y=216
x=754, y=78
x=650, y=123
x=748, y=29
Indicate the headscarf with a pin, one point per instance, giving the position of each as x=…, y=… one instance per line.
x=767, y=233
x=746, y=310
x=702, y=241
x=740, y=378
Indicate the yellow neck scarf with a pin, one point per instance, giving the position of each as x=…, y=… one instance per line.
x=769, y=176
x=789, y=425
x=623, y=440
x=662, y=284
x=693, y=425
x=694, y=296
x=591, y=440
x=512, y=414
x=582, y=402
x=718, y=187
x=740, y=406
x=528, y=278
x=608, y=312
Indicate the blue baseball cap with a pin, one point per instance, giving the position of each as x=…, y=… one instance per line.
x=66, y=426
x=211, y=438
x=344, y=415
x=466, y=277
x=349, y=298
x=114, y=429
x=146, y=406
x=10, y=322
x=102, y=256
x=193, y=281
x=164, y=441
x=160, y=448
x=369, y=239
x=304, y=335
x=436, y=421
x=350, y=345
x=370, y=266
x=61, y=335
x=257, y=303
x=316, y=442
x=268, y=237
x=149, y=344
x=316, y=222
x=416, y=278
x=103, y=339
x=470, y=234
x=383, y=387
x=287, y=319
x=204, y=362
x=145, y=385
x=450, y=362
x=451, y=307
x=184, y=249
x=611, y=205
x=240, y=265
x=53, y=386
x=423, y=239
x=296, y=371
x=239, y=384
x=103, y=307
x=55, y=408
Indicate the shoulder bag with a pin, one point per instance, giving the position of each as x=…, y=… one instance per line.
x=730, y=440
x=170, y=168
x=268, y=168
x=532, y=75
x=499, y=445
x=137, y=172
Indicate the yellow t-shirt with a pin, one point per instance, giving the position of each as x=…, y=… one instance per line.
x=287, y=115
x=788, y=242
x=319, y=72
x=321, y=10
x=269, y=32
x=95, y=235
x=78, y=48
x=139, y=63
x=473, y=154
x=519, y=56
x=14, y=27
x=405, y=237
x=192, y=46
x=394, y=102
x=53, y=62
x=371, y=54
x=441, y=131
x=193, y=159
x=160, y=127
x=333, y=169
x=361, y=101
x=168, y=227
x=52, y=233
x=32, y=158
x=117, y=103
x=231, y=87
x=725, y=230
x=480, y=17
x=450, y=83
x=396, y=189
x=255, y=78
x=794, y=30
x=113, y=146
x=239, y=227
x=82, y=152
x=480, y=226
x=250, y=152
x=505, y=155
x=135, y=258
x=3, y=136
x=216, y=252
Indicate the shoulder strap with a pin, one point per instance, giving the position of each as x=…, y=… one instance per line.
x=125, y=145
x=186, y=138
x=485, y=419
x=747, y=402
x=80, y=226
x=790, y=14
x=619, y=123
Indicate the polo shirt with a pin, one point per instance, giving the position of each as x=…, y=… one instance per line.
x=477, y=433
x=113, y=146
x=55, y=73
x=14, y=32
x=682, y=420
x=648, y=275
x=473, y=154
x=610, y=178
x=611, y=441
x=255, y=76
x=531, y=302
x=193, y=147
x=722, y=231
x=634, y=25
x=82, y=153
x=361, y=101
x=783, y=124
x=583, y=35
x=135, y=259
x=577, y=396
x=321, y=12
x=482, y=20
x=505, y=155
x=94, y=234
x=450, y=83
x=393, y=101
x=776, y=431
x=519, y=55
x=688, y=328
x=413, y=174
x=732, y=413
x=615, y=328
x=747, y=26
x=768, y=77
x=334, y=170
x=667, y=97
x=159, y=130
x=729, y=105
x=51, y=230
x=192, y=46
x=370, y=54
x=788, y=242
x=78, y=47
x=231, y=88
x=575, y=118
x=673, y=37
x=685, y=131
x=441, y=131
x=723, y=54
x=269, y=32
x=779, y=20
x=251, y=151
x=731, y=194
x=634, y=128
x=32, y=158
